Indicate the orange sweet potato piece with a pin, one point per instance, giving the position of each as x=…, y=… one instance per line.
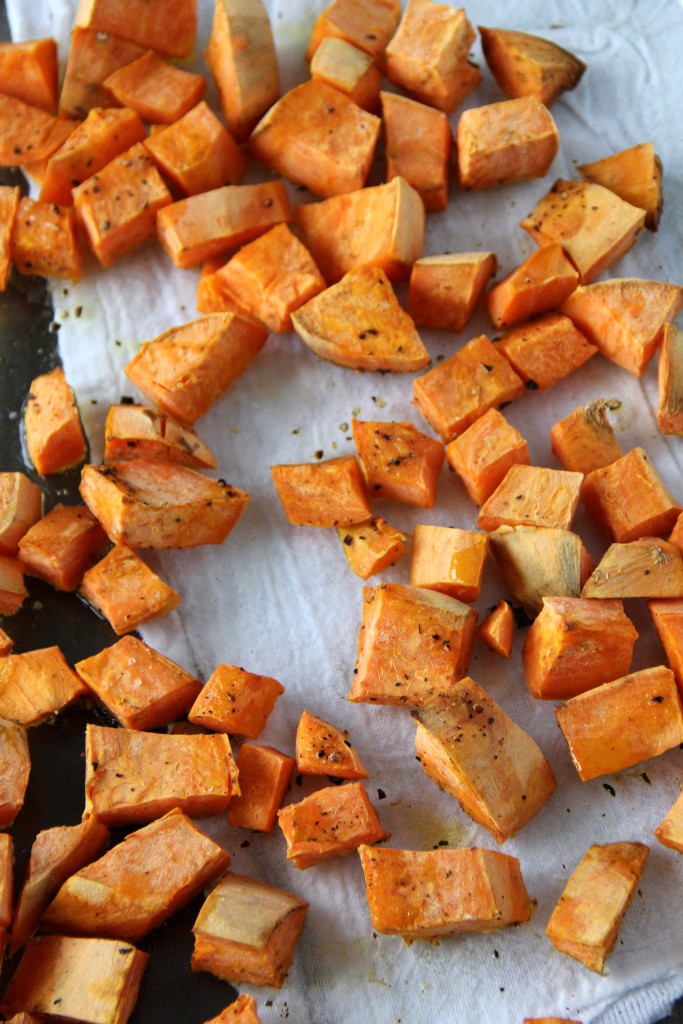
x=372, y=547
x=168, y=26
x=212, y=294
x=138, y=883
x=93, y=56
x=235, y=701
x=444, y=290
x=585, y=440
x=264, y=777
x=323, y=749
x=125, y=591
x=498, y=628
x=186, y=368
x=586, y=921
x=667, y=616
x=413, y=646
x=156, y=89
x=635, y=175
x=546, y=349
x=449, y=560
x=625, y=317
x=526, y=65
x=539, y=284
x=242, y=1011
x=505, y=142
x=670, y=395
x=6, y=643
x=458, y=391
x=28, y=71
x=88, y=979
x=56, y=854
x=422, y=895
x=532, y=496
x=669, y=832
x=9, y=205
x=317, y=137
x=647, y=567
x=428, y=55
x=398, y=461
x=152, y=503
x=622, y=722
x=484, y=452
x=36, y=684
x=347, y=68
x=29, y=134
x=367, y=24
x=62, y=545
x=20, y=507
x=6, y=880
x=594, y=225
x=138, y=432
x=576, y=644
x=418, y=147
x=15, y=763
x=12, y=588
x=629, y=500
x=330, y=493
x=140, y=687
x=44, y=240
x=537, y=561
x=134, y=776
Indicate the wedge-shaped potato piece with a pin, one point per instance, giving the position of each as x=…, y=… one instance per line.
x=247, y=931
x=448, y=559
x=6, y=643
x=29, y=131
x=526, y=65
x=235, y=701
x=418, y=144
x=586, y=921
x=625, y=317
x=186, y=368
x=537, y=561
x=138, y=883
x=323, y=749
x=484, y=453
x=398, y=461
x=29, y=70
x=347, y=68
x=444, y=290
x=330, y=493
x=539, y=284
x=667, y=617
x=533, y=496
x=460, y=390
x=93, y=56
x=359, y=323
x=367, y=24
x=152, y=503
x=168, y=26
x=546, y=350
x=62, y=545
x=12, y=588
x=21, y=503
x=669, y=832
x=52, y=426
x=137, y=431
x=382, y=226
x=634, y=174
x=505, y=142
x=576, y=644
x=94, y=981
x=498, y=629
x=36, y=684
x=242, y=1011
x=56, y=854
x=15, y=767
x=372, y=547
x=585, y=440
x=413, y=645
x=628, y=499
x=140, y=687
x=670, y=400
x=317, y=137
x=594, y=225
x=264, y=777
x=331, y=822
x=623, y=722
x=134, y=776
x=125, y=591
x=423, y=895
x=456, y=740
x=648, y=567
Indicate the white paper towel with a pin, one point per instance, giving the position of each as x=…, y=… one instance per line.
x=280, y=600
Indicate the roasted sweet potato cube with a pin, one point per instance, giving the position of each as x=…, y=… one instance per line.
x=20, y=507
x=498, y=629
x=576, y=644
x=413, y=645
x=242, y=1011
x=347, y=68
x=505, y=142
x=6, y=879
x=546, y=349
x=136, y=431
x=456, y=739
x=52, y=425
x=12, y=587
x=423, y=895
x=136, y=776
x=125, y=591
x=29, y=133
x=448, y=559
x=667, y=617
x=212, y=294
x=585, y=439
x=594, y=225
x=168, y=26
x=44, y=240
x=372, y=547
x=444, y=290
x=235, y=701
x=586, y=921
x=539, y=284
x=323, y=749
x=9, y=205
x=418, y=147
x=537, y=561
x=634, y=174
x=398, y=461
x=460, y=390
x=93, y=56
x=625, y=317
x=526, y=65
x=88, y=979
x=669, y=832
x=330, y=493
x=247, y=931
x=382, y=226
x=367, y=24
x=36, y=684
x=28, y=71
x=670, y=395
x=484, y=453
x=622, y=722
x=15, y=763
x=62, y=545
x=264, y=777
x=532, y=496
x=648, y=567
x=157, y=90
x=629, y=500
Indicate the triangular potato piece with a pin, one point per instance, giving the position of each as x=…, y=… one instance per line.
x=525, y=65
x=635, y=175
x=322, y=749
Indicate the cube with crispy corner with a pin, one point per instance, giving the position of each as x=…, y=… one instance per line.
x=140, y=687
x=157, y=90
x=264, y=777
x=647, y=567
x=323, y=749
x=88, y=979
x=448, y=559
x=670, y=371
x=585, y=439
x=484, y=452
x=426, y=895
x=535, y=561
x=594, y=226
x=29, y=131
x=9, y=205
x=242, y=1011
x=93, y=56
x=413, y=645
x=37, y=684
x=526, y=65
x=418, y=144
x=133, y=777
x=367, y=24
x=669, y=832
x=12, y=588
x=576, y=644
x=458, y=391
x=667, y=617
x=398, y=461
x=247, y=931
x=347, y=68
x=456, y=740
x=634, y=174
x=15, y=763
x=586, y=921
x=629, y=500
x=138, y=883
x=539, y=284
x=498, y=629
x=545, y=350
x=29, y=71
x=137, y=431
x=52, y=426
x=533, y=496
x=45, y=241
x=21, y=504
x=318, y=137
x=185, y=369
x=168, y=26
x=444, y=290
x=372, y=547
x=330, y=493
x=62, y=545
x=235, y=701
x=505, y=142
x=125, y=591
x=622, y=722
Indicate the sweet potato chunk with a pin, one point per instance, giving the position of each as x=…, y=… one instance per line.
x=505, y=142
x=367, y=24
x=138, y=883
x=12, y=587
x=136, y=431
x=247, y=931
x=345, y=67
x=398, y=461
x=448, y=559
x=667, y=617
x=44, y=240
x=526, y=65
x=15, y=765
x=669, y=832
x=168, y=26
x=9, y=205
x=36, y=684
x=532, y=496
x=648, y=567
x=93, y=56
x=322, y=749
x=62, y=545
x=242, y=1011
x=157, y=90
x=537, y=561
x=196, y=153
x=444, y=290
x=497, y=630
x=484, y=453
x=585, y=440
x=264, y=777
x=372, y=547
x=586, y=921
x=418, y=147
x=456, y=739
x=629, y=500
x=670, y=396
x=235, y=701
x=6, y=643
x=442, y=892
x=623, y=722
x=28, y=133
x=545, y=350
x=635, y=175
x=539, y=284
x=125, y=591
x=413, y=646
x=28, y=71
x=20, y=507
x=6, y=880
x=330, y=493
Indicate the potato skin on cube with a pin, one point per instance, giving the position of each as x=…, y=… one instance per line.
x=527, y=65
x=330, y=493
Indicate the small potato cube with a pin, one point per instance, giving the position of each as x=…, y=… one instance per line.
x=44, y=240
x=52, y=425
x=585, y=439
x=322, y=749
x=449, y=560
x=444, y=290
x=533, y=496
x=138, y=432
x=93, y=56
x=159, y=91
x=483, y=454
x=15, y=767
x=169, y=26
x=264, y=777
x=526, y=65
x=505, y=142
x=539, y=284
x=29, y=71
x=348, y=69
x=418, y=144
x=36, y=684
x=125, y=591
x=648, y=567
x=235, y=701
x=629, y=500
x=634, y=174
x=498, y=629
x=372, y=547
x=546, y=350
x=367, y=24
x=535, y=561
x=62, y=545
x=330, y=493
x=398, y=461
